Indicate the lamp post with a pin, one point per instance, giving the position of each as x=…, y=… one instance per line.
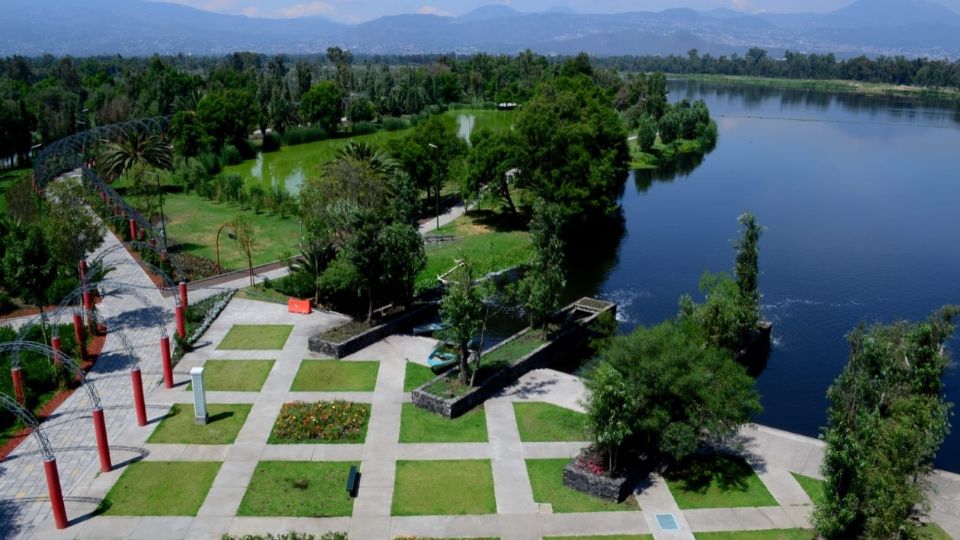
x=436, y=171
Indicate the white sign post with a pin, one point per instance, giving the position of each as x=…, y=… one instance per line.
x=199, y=396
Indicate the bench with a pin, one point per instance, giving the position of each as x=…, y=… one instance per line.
x=353, y=478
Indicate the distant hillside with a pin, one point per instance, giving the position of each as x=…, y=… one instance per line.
x=137, y=27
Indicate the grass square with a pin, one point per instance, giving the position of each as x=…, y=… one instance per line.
x=546, y=480
x=434, y=488
x=769, y=534
x=717, y=481
x=161, y=488
x=422, y=426
x=812, y=486
x=335, y=376
x=223, y=425
x=235, y=375
x=321, y=422
x=544, y=422
x=416, y=375
x=298, y=489
x=603, y=537
x=256, y=337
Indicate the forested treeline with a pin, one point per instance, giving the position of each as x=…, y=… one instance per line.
x=882, y=69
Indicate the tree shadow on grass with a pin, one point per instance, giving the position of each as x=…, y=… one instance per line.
x=698, y=472
x=499, y=221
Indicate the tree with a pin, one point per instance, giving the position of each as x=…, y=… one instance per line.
x=429, y=165
x=491, y=158
x=227, y=115
x=574, y=148
x=646, y=132
x=246, y=234
x=28, y=270
x=322, y=105
x=545, y=279
x=886, y=420
x=747, y=266
x=677, y=392
x=188, y=135
x=72, y=230
x=136, y=150
x=462, y=312
x=341, y=60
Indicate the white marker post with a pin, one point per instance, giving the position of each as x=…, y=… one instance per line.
x=199, y=396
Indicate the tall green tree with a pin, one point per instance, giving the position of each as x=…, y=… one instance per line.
x=887, y=419
x=228, y=116
x=543, y=285
x=72, y=230
x=747, y=265
x=494, y=161
x=462, y=312
x=676, y=394
x=323, y=105
x=28, y=269
x=429, y=166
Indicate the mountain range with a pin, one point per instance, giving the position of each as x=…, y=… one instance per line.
x=139, y=27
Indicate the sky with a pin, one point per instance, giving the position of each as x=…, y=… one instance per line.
x=353, y=11
x=363, y=10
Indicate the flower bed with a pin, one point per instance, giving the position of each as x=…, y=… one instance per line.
x=321, y=422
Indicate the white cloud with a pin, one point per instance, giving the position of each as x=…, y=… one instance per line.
x=307, y=9
x=251, y=11
x=433, y=10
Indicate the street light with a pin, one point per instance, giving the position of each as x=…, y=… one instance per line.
x=436, y=170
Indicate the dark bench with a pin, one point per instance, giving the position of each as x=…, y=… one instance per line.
x=353, y=479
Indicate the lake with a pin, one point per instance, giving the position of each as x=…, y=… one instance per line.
x=859, y=198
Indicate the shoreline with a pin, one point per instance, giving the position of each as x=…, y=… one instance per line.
x=824, y=85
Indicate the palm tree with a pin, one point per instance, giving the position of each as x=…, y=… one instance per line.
x=116, y=158
x=379, y=162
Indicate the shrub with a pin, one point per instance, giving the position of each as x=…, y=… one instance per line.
x=62, y=286
x=393, y=123
x=300, y=135
x=6, y=303
x=194, y=267
x=231, y=155
x=295, y=284
x=271, y=143
x=364, y=128
x=211, y=163
x=330, y=421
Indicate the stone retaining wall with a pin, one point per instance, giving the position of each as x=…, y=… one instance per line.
x=570, y=341
x=361, y=341
x=614, y=489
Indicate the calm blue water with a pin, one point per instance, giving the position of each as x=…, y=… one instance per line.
x=859, y=197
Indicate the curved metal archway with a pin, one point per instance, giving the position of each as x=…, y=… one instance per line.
x=16, y=347
x=30, y=421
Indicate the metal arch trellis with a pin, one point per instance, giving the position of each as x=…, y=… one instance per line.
x=17, y=346
x=31, y=421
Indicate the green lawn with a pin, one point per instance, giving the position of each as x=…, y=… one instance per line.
x=193, y=222
x=421, y=426
x=298, y=489
x=256, y=337
x=491, y=119
x=812, y=486
x=603, y=537
x=223, y=424
x=933, y=532
x=455, y=487
x=716, y=482
x=546, y=479
x=544, y=422
x=336, y=376
x=260, y=293
x=235, y=375
x=771, y=534
x=416, y=376
x=487, y=249
x=161, y=488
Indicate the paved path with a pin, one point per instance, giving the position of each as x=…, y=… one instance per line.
x=428, y=226
x=23, y=492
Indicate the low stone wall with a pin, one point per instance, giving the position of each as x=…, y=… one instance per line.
x=361, y=341
x=614, y=489
x=569, y=342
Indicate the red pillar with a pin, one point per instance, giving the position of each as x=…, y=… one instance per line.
x=182, y=286
x=165, y=362
x=17, y=377
x=82, y=266
x=88, y=303
x=133, y=230
x=79, y=333
x=55, y=345
x=103, y=447
x=138, y=403
x=181, y=323
x=56, y=495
